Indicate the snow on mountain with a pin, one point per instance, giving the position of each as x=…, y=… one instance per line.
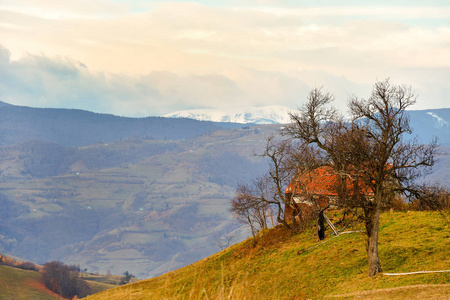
x=439, y=121
x=425, y=123
x=255, y=115
x=431, y=122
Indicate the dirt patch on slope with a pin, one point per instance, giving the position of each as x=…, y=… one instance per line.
x=42, y=288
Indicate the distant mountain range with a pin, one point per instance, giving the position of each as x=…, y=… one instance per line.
x=425, y=123
x=254, y=115
x=71, y=127
x=431, y=122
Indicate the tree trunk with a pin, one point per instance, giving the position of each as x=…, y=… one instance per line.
x=280, y=219
x=372, y=225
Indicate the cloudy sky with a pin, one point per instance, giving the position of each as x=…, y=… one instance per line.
x=141, y=58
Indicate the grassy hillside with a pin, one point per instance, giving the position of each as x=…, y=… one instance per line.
x=16, y=283
x=22, y=284
x=285, y=266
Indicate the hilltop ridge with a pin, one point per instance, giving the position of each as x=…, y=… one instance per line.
x=74, y=127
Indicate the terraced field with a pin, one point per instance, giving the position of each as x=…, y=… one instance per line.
x=137, y=205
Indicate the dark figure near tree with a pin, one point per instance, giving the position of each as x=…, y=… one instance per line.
x=321, y=226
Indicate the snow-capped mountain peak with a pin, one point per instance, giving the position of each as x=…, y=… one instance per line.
x=255, y=115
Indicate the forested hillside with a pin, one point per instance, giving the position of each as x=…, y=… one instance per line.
x=72, y=127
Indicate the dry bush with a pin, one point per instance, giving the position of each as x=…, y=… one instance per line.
x=263, y=240
x=18, y=264
x=436, y=197
x=28, y=266
x=274, y=236
x=395, y=203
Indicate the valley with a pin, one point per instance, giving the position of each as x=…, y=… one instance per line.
x=136, y=205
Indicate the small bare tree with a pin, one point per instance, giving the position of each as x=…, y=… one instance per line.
x=267, y=195
x=249, y=208
x=223, y=241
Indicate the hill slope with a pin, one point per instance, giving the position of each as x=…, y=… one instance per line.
x=21, y=284
x=141, y=204
x=290, y=267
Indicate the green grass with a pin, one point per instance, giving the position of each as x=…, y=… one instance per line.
x=21, y=284
x=101, y=283
x=284, y=266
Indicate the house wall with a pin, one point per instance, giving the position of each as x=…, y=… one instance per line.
x=306, y=207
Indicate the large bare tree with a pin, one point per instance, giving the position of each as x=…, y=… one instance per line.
x=369, y=153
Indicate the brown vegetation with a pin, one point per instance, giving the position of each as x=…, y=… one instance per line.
x=63, y=280
x=5, y=260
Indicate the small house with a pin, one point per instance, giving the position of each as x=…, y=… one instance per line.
x=314, y=190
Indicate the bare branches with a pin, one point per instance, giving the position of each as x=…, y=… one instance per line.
x=433, y=197
x=384, y=114
x=223, y=241
x=309, y=124
x=249, y=207
x=267, y=194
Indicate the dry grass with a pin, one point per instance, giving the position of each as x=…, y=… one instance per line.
x=286, y=266
x=420, y=291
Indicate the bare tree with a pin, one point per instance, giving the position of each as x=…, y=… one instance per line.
x=369, y=154
x=223, y=241
x=60, y=279
x=266, y=195
x=249, y=207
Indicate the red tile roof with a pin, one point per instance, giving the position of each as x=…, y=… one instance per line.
x=320, y=181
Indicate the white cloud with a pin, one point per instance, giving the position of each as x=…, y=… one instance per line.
x=65, y=10
x=167, y=56
x=57, y=82
x=384, y=12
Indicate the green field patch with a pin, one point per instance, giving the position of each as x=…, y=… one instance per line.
x=124, y=254
x=50, y=207
x=20, y=284
x=140, y=238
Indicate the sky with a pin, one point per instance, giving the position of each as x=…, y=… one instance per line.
x=149, y=58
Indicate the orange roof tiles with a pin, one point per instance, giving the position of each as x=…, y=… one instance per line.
x=320, y=181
